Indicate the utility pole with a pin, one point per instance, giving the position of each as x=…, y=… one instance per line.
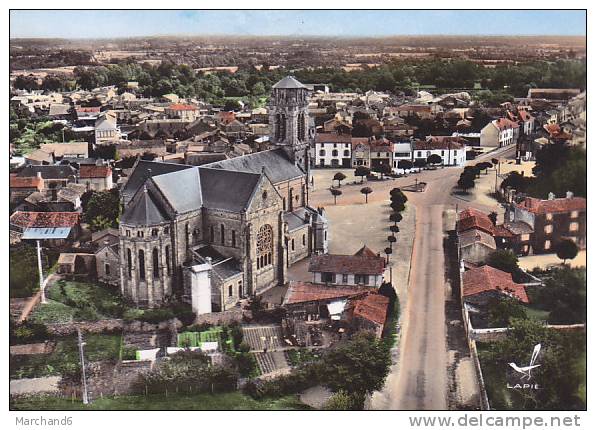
x=84, y=376
x=497, y=168
x=39, y=267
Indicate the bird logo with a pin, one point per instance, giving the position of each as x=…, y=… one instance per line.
x=526, y=371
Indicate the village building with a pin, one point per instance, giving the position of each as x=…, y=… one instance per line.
x=499, y=132
x=96, y=177
x=451, y=149
x=178, y=220
x=364, y=268
x=333, y=150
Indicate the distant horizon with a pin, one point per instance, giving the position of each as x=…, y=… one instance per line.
x=345, y=24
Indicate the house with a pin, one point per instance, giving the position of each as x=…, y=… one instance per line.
x=401, y=151
x=186, y=112
x=333, y=150
x=553, y=94
x=369, y=313
x=60, y=111
x=475, y=246
x=364, y=268
x=107, y=263
x=66, y=149
x=335, y=125
x=422, y=111
x=451, y=149
x=397, y=128
x=21, y=187
x=134, y=148
x=97, y=177
x=55, y=176
x=235, y=129
x=65, y=199
x=106, y=129
x=480, y=284
x=360, y=151
x=550, y=221
x=499, y=132
x=39, y=158
x=106, y=237
x=70, y=263
x=381, y=152
x=57, y=228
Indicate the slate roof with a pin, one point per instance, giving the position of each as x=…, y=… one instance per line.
x=226, y=189
x=48, y=172
x=143, y=210
x=473, y=236
x=301, y=292
x=289, y=82
x=142, y=171
x=182, y=189
x=295, y=219
x=275, y=161
x=487, y=278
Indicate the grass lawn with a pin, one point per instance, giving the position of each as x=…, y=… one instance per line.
x=198, y=402
x=79, y=301
x=65, y=357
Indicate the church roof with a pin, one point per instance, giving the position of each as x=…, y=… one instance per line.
x=144, y=170
x=227, y=189
x=278, y=166
x=289, y=82
x=143, y=210
x=182, y=189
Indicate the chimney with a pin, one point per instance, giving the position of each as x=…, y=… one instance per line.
x=99, y=162
x=39, y=175
x=54, y=192
x=551, y=196
x=569, y=195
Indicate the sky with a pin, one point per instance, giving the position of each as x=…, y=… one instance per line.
x=114, y=24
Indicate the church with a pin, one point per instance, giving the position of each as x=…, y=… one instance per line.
x=215, y=234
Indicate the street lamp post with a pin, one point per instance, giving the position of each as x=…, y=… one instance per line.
x=84, y=376
x=39, y=267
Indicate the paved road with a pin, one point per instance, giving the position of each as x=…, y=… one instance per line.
x=421, y=383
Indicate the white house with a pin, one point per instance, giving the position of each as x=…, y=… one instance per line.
x=401, y=151
x=333, y=150
x=106, y=129
x=451, y=149
x=500, y=132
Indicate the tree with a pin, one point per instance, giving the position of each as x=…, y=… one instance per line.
x=341, y=401
x=564, y=295
x=397, y=195
x=366, y=191
x=434, y=159
x=391, y=239
x=387, y=290
x=102, y=209
x=335, y=192
x=339, y=176
x=395, y=217
x=566, y=250
x=24, y=278
x=503, y=259
x=503, y=310
x=420, y=163
x=388, y=251
x=465, y=182
x=394, y=229
x=405, y=164
x=383, y=169
x=398, y=206
x=358, y=367
x=362, y=171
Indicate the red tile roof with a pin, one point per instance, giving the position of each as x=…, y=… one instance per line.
x=473, y=218
x=300, y=292
x=358, y=264
x=487, y=278
x=44, y=219
x=502, y=231
x=440, y=142
x=560, y=205
x=365, y=251
x=333, y=138
x=504, y=123
x=92, y=171
x=26, y=182
x=180, y=106
x=372, y=307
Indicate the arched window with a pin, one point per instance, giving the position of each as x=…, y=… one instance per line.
x=129, y=262
x=239, y=288
x=155, y=263
x=223, y=234
x=280, y=127
x=301, y=127
x=107, y=269
x=168, y=259
x=141, y=264
x=187, y=235
x=212, y=233
x=334, y=153
x=230, y=292
x=264, y=245
x=234, y=238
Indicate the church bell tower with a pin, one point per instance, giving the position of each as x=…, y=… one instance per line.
x=289, y=121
